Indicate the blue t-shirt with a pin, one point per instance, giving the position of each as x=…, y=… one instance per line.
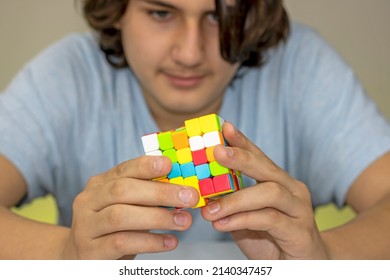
x=69, y=115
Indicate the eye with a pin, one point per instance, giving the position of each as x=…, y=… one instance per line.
x=212, y=17
x=160, y=15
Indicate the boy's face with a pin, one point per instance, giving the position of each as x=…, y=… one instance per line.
x=173, y=48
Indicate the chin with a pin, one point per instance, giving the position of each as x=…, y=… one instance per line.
x=186, y=109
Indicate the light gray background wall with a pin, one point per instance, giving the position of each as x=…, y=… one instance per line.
x=358, y=29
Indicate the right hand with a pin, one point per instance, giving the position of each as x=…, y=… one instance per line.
x=112, y=216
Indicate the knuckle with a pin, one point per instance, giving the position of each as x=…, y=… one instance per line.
x=276, y=190
x=159, y=218
x=245, y=156
x=272, y=167
x=94, y=181
x=303, y=190
x=115, y=216
x=273, y=216
x=303, y=187
x=120, y=169
x=80, y=200
x=119, y=242
x=164, y=193
x=117, y=189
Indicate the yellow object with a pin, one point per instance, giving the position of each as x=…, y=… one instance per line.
x=329, y=216
x=210, y=122
x=193, y=127
x=180, y=139
x=184, y=155
x=193, y=182
x=41, y=209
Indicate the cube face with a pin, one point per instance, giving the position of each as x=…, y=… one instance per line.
x=165, y=140
x=150, y=143
x=199, y=157
x=191, y=150
x=180, y=138
x=210, y=123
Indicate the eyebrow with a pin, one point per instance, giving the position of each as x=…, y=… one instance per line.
x=160, y=3
x=164, y=4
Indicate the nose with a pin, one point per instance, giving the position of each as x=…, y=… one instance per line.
x=188, y=49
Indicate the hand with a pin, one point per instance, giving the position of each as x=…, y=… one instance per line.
x=112, y=216
x=271, y=220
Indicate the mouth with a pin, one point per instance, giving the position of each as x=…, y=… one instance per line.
x=184, y=81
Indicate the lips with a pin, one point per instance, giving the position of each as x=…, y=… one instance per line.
x=185, y=81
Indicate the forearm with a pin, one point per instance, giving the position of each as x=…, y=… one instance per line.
x=21, y=238
x=365, y=237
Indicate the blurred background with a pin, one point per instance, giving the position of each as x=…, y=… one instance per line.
x=358, y=29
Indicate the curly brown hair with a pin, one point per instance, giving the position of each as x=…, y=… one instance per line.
x=247, y=28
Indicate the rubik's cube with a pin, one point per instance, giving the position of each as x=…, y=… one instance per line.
x=191, y=150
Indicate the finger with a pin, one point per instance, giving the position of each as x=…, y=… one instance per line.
x=258, y=167
x=270, y=220
x=243, y=151
x=121, y=217
x=139, y=192
x=237, y=139
x=145, y=167
x=261, y=196
x=298, y=238
x=124, y=243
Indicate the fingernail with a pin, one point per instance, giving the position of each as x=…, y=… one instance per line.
x=169, y=242
x=185, y=195
x=224, y=221
x=229, y=151
x=158, y=164
x=179, y=219
x=213, y=207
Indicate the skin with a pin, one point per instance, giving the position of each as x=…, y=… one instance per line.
x=181, y=78
x=274, y=218
x=185, y=76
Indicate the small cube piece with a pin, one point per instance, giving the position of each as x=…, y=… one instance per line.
x=223, y=184
x=196, y=143
x=150, y=142
x=171, y=153
x=210, y=154
x=206, y=187
x=184, y=155
x=177, y=181
x=193, y=127
x=211, y=122
x=154, y=153
x=202, y=171
x=187, y=169
x=217, y=169
x=165, y=140
x=199, y=157
x=194, y=182
x=180, y=138
x=213, y=138
x=175, y=171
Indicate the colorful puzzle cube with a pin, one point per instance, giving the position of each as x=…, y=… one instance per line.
x=191, y=150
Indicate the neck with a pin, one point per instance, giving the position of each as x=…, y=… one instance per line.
x=168, y=119
x=172, y=120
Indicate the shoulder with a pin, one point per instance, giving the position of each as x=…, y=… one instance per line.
x=71, y=66
x=309, y=51
x=67, y=74
x=75, y=50
x=303, y=59
x=304, y=62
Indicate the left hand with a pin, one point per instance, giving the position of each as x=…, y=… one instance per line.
x=273, y=219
